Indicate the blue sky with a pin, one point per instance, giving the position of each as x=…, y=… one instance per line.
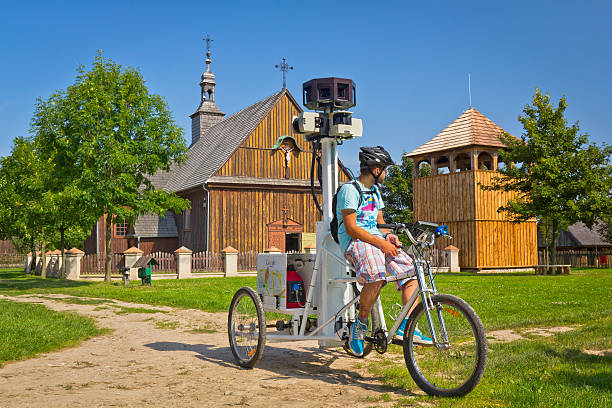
x=410, y=60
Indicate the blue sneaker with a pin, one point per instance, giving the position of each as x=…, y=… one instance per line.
x=356, y=337
x=417, y=337
x=401, y=328
x=420, y=338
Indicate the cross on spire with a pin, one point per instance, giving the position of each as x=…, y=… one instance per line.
x=208, y=41
x=284, y=67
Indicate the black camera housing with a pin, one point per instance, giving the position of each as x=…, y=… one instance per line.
x=334, y=93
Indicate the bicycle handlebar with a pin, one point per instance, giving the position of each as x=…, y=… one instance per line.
x=401, y=227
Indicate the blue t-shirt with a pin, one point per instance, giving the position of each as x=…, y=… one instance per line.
x=367, y=213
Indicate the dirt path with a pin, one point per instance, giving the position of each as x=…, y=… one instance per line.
x=158, y=360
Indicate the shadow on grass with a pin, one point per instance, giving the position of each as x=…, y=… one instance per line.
x=20, y=281
x=578, y=378
x=311, y=363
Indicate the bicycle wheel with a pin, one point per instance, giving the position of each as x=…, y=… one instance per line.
x=454, y=365
x=246, y=327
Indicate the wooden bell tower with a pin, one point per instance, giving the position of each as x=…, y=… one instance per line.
x=463, y=157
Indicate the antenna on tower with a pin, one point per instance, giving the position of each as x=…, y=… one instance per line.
x=470, y=89
x=284, y=67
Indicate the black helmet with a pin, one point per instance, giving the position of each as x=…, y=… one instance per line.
x=374, y=156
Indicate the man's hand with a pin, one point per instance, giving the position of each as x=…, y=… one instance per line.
x=388, y=248
x=394, y=240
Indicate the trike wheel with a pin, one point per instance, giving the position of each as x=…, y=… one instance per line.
x=246, y=327
x=454, y=364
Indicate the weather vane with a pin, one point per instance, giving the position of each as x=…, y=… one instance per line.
x=208, y=41
x=284, y=67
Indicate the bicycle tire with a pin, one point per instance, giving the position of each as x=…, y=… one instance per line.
x=436, y=370
x=246, y=311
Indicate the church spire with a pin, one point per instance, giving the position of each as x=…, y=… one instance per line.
x=208, y=114
x=207, y=84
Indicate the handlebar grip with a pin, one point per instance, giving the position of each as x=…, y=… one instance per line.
x=393, y=226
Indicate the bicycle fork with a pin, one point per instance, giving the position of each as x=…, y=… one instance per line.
x=426, y=294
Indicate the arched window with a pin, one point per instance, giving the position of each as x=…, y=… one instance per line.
x=485, y=161
x=463, y=162
x=424, y=168
x=443, y=165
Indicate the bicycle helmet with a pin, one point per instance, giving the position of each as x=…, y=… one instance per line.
x=374, y=156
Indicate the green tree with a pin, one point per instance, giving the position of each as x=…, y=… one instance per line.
x=605, y=227
x=559, y=177
x=25, y=214
x=397, y=192
x=69, y=205
x=111, y=134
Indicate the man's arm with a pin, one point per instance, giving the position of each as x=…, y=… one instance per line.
x=349, y=218
x=392, y=238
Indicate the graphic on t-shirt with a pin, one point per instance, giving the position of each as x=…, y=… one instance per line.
x=369, y=212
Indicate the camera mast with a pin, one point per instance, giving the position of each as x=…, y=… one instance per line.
x=284, y=67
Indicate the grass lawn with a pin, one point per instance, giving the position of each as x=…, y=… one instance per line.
x=27, y=329
x=560, y=370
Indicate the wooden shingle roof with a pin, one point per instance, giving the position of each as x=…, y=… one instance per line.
x=470, y=129
x=215, y=146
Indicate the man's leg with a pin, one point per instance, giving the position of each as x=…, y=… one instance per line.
x=369, y=294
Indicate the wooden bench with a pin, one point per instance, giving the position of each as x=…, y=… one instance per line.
x=552, y=269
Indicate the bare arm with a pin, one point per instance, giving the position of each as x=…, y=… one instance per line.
x=349, y=218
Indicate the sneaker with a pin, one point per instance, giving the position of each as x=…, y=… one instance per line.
x=401, y=328
x=356, y=337
x=417, y=337
x=420, y=338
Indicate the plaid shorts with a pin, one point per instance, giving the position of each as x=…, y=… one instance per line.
x=372, y=265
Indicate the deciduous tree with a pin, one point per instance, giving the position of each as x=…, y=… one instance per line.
x=110, y=135
x=560, y=177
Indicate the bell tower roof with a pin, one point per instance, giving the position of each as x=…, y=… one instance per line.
x=472, y=128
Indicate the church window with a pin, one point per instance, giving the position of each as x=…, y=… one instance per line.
x=121, y=228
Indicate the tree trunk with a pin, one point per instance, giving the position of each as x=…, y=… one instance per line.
x=43, y=270
x=553, y=244
x=109, y=255
x=63, y=273
x=33, y=262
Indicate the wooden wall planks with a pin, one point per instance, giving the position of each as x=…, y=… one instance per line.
x=486, y=238
x=244, y=215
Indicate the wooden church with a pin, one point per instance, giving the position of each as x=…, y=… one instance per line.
x=247, y=177
x=462, y=157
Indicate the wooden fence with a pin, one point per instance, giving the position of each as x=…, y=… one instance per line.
x=579, y=259
x=437, y=257
x=166, y=260
x=206, y=261
x=247, y=261
x=93, y=264
x=12, y=259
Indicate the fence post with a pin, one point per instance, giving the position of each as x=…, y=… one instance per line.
x=182, y=257
x=73, y=263
x=130, y=256
x=452, y=255
x=230, y=261
x=28, y=263
x=56, y=271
